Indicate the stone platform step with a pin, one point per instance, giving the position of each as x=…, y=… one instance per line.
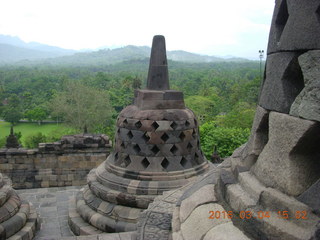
x=264, y=212
x=77, y=224
x=274, y=227
x=115, y=196
x=29, y=230
x=106, y=236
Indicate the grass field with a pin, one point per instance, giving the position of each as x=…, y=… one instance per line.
x=31, y=128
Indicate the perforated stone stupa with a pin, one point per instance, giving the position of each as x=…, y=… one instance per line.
x=157, y=149
x=18, y=219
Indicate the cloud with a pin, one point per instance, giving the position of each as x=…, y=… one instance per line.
x=196, y=26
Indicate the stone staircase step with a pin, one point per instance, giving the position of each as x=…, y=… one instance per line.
x=251, y=184
x=277, y=228
x=238, y=199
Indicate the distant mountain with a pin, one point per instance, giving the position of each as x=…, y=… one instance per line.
x=13, y=49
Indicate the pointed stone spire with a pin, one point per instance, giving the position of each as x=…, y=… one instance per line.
x=12, y=141
x=158, y=77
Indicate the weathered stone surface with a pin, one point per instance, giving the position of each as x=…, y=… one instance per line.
x=12, y=141
x=226, y=231
x=238, y=199
x=307, y=103
x=289, y=161
x=258, y=138
x=205, y=194
x=198, y=223
x=283, y=82
x=251, y=185
x=158, y=77
x=295, y=26
x=157, y=149
x=311, y=197
x=17, y=217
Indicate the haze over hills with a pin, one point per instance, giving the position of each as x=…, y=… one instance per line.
x=14, y=50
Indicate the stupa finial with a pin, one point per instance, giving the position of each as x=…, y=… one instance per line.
x=158, y=77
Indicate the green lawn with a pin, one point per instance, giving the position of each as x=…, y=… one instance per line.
x=31, y=128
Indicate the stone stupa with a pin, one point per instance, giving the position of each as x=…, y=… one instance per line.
x=18, y=219
x=157, y=148
x=270, y=187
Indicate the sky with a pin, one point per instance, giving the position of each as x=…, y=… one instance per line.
x=211, y=27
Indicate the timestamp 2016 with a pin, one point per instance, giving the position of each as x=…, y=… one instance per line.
x=257, y=215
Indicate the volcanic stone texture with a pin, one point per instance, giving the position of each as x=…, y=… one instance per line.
x=307, y=104
x=258, y=138
x=283, y=82
x=158, y=77
x=18, y=219
x=295, y=26
x=290, y=159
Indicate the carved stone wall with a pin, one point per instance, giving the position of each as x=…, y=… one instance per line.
x=63, y=163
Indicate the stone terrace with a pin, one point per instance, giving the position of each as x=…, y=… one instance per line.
x=52, y=207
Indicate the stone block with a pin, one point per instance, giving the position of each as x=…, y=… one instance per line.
x=311, y=197
x=191, y=229
x=307, y=103
x=295, y=26
x=226, y=231
x=290, y=159
x=238, y=199
x=205, y=194
x=283, y=82
x=258, y=138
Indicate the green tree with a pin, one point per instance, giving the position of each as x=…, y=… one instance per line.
x=38, y=114
x=241, y=116
x=12, y=112
x=226, y=139
x=33, y=140
x=203, y=107
x=82, y=106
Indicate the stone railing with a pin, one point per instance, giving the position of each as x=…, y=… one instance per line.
x=63, y=163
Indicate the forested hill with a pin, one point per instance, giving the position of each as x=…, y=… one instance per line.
x=14, y=50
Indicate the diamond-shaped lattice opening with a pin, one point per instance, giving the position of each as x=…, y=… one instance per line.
x=122, y=145
x=145, y=137
x=182, y=136
x=155, y=125
x=118, y=131
x=130, y=135
x=136, y=148
x=145, y=163
x=127, y=161
x=195, y=122
x=194, y=133
x=174, y=149
x=318, y=13
x=173, y=125
x=125, y=121
x=196, y=158
x=164, y=137
x=138, y=124
x=189, y=147
x=187, y=123
x=165, y=163
x=198, y=144
x=183, y=161
x=281, y=19
x=155, y=149
x=116, y=156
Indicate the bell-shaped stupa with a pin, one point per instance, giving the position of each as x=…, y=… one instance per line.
x=157, y=148
x=18, y=218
